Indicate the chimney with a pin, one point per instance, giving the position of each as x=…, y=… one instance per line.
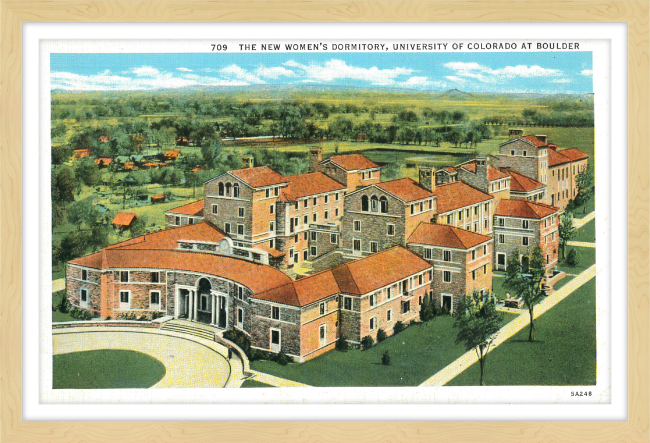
x=428, y=178
x=514, y=133
x=542, y=138
x=247, y=161
x=316, y=155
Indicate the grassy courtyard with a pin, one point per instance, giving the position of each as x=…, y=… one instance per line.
x=255, y=384
x=564, y=352
x=415, y=355
x=106, y=369
x=586, y=233
x=586, y=258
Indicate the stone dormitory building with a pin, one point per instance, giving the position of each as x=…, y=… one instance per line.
x=237, y=258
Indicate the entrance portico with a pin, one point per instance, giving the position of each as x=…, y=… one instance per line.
x=202, y=304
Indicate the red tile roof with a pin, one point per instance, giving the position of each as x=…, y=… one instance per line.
x=124, y=218
x=194, y=208
x=574, y=154
x=524, y=209
x=351, y=162
x=493, y=173
x=405, y=189
x=272, y=251
x=378, y=270
x=456, y=195
x=257, y=277
x=172, y=153
x=534, y=140
x=303, y=185
x=556, y=158
x=446, y=236
x=521, y=183
x=168, y=238
x=449, y=169
x=89, y=261
x=303, y=291
x=105, y=161
x=260, y=176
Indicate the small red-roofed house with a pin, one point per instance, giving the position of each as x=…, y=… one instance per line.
x=525, y=188
x=124, y=220
x=104, y=162
x=351, y=170
x=187, y=214
x=462, y=261
x=520, y=226
x=485, y=177
x=465, y=207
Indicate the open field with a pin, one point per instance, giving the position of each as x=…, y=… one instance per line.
x=563, y=353
x=415, y=355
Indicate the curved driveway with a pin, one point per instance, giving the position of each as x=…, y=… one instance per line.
x=190, y=362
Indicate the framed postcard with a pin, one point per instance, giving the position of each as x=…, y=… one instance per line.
x=329, y=221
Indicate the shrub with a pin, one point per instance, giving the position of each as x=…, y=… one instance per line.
x=385, y=358
x=282, y=359
x=157, y=314
x=399, y=327
x=143, y=317
x=341, y=343
x=367, y=342
x=573, y=258
x=108, y=317
x=64, y=305
x=240, y=339
x=426, y=309
x=381, y=335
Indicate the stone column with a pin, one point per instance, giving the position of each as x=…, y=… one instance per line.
x=190, y=308
x=213, y=299
x=196, y=305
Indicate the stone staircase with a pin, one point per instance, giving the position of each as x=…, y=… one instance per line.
x=192, y=328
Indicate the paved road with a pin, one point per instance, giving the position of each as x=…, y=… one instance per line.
x=580, y=222
x=190, y=362
x=58, y=285
x=276, y=381
x=447, y=374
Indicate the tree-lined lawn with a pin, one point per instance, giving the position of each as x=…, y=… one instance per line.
x=586, y=258
x=563, y=353
x=586, y=233
x=415, y=355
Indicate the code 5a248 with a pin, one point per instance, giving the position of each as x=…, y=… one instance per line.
x=581, y=394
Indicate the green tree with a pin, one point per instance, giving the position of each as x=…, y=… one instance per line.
x=585, y=182
x=72, y=245
x=138, y=227
x=426, y=309
x=59, y=130
x=478, y=323
x=87, y=172
x=59, y=215
x=566, y=230
x=61, y=154
x=63, y=185
x=527, y=286
x=83, y=211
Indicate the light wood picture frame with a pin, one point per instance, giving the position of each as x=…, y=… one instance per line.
x=16, y=12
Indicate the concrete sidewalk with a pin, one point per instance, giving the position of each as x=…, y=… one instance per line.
x=580, y=222
x=581, y=244
x=58, y=285
x=447, y=374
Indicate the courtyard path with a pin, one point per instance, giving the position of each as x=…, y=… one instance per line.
x=58, y=285
x=448, y=373
x=276, y=381
x=582, y=244
x=580, y=222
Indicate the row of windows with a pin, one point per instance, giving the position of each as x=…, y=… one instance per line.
x=468, y=212
x=390, y=228
x=497, y=186
x=326, y=200
x=374, y=204
x=417, y=208
x=125, y=299
x=314, y=217
x=367, y=175
x=334, y=238
x=525, y=241
x=228, y=189
x=125, y=276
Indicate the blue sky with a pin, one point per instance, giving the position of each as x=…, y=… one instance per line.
x=539, y=72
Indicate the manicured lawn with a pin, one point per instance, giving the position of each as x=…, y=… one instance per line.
x=106, y=369
x=587, y=233
x=563, y=353
x=587, y=257
x=56, y=315
x=255, y=384
x=587, y=208
x=416, y=354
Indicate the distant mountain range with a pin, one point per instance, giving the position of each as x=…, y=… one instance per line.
x=275, y=89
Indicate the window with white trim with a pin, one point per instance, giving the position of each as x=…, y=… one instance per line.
x=391, y=229
x=373, y=323
x=334, y=239
x=314, y=236
x=83, y=297
x=322, y=308
x=389, y=315
x=241, y=212
x=84, y=274
x=226, y=228
x=124, y=276
x=215, y=211
x=446, y=276
x=275, y=312
x=357, y=225
x=313, y=250
x=446, y=255
x=327, y=215
x=155, y=277
x=347, y=303
x=524, y=224
x=327, y=198
x=240, y=229
x=373, y=246
x=428, y=253
x=240, y=318
x=524, y=241
x=272, y=226
x=502, y=238
x=271, y=209
x=154, y=300
x=125, y=299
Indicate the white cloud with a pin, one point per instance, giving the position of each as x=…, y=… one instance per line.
x=561, y=80
x=274, y=73
x=338, y=70
x=184, y=69
x=488, y=75
x=146, y=71
x=241, y=74
x=587, y=72
x=420, y=82
x=453, y=78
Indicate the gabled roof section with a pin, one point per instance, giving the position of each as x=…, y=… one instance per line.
x=458, y=194
x=89, y=261
x=256, y=177
x=524, y=209
x=563, y=156
x=378, y=270
x=492, y=172
x=352, y=162
x=535, y=140
x=304, y=291
x=194, y=208
x=521, y=183
x=303, y=185
x=446, y=236
x=406, y=189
